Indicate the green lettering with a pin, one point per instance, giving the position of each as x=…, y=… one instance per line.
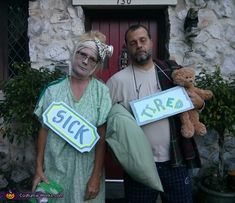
x=179, y=104
x=158, y=104
x=145, y=113
x=148, y=108
x=169, y=102
x=151, y=109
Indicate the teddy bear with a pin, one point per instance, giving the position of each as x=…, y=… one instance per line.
x=190, y=123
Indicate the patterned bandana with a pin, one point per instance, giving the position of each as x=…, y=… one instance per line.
x=101, y=49
x=104, y=50
x=87, y=44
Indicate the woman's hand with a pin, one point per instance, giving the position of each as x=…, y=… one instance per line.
x=39, y=177
x=93, y=188
x=93, y=185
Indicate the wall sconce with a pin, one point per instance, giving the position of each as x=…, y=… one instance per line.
x=190, y=23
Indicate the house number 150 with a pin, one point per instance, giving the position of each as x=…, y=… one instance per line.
x=124, y=2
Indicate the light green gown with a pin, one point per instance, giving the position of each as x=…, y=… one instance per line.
x=64, y=164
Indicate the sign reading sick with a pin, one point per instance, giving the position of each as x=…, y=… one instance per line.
x=161, y=105
x=71, y=126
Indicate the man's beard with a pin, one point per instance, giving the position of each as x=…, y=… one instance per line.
x=143, y=58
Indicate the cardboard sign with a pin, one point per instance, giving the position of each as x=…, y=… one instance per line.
x=71, y=126
x=161, y=105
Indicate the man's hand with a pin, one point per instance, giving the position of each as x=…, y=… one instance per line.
x=197, y=101
x=93, y=188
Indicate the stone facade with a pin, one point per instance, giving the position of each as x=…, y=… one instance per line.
x=214, y=43
x=54, y=28
x=209, y=150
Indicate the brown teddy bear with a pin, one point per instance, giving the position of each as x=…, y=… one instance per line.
x=185, y=77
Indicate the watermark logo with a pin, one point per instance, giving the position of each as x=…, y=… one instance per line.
x=10, y=195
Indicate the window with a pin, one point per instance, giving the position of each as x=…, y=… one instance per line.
x=13, y=35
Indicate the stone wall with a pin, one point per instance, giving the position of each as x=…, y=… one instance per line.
x=209, y=150
x=215, y=40
x=55, y=25
x=53, y=30
x=16, y=164
x=213, y=44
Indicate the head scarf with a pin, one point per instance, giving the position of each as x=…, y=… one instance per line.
x=102, y=50
x=86, y=44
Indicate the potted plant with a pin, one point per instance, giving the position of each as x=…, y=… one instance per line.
x=218, y=115
x=21, y=93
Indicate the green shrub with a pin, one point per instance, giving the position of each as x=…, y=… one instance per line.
x=21, y=93
x=219, y=113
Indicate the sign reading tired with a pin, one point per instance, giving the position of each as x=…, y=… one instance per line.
x=71, y=126
x=161, y=105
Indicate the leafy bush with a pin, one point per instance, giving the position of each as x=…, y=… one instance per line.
x=21, y=93
x=219, y=113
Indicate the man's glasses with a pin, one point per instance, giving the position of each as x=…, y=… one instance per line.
x=83, y=56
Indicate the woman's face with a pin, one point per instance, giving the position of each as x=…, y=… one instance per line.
x=84, y=63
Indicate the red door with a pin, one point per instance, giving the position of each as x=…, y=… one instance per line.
x=114, y=29
x=114, y=24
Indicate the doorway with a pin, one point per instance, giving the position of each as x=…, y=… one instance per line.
x=114, y=23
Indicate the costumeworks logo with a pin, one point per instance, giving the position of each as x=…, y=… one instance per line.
x=14, y=195
x=10, y=195
x=7, y=195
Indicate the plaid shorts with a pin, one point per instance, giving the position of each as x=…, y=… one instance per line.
x=177, y=185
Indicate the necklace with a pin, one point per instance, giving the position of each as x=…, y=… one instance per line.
x=137, y=88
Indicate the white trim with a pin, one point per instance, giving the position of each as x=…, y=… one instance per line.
x=114, y=180
x=122, y=2
x=1, y=95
